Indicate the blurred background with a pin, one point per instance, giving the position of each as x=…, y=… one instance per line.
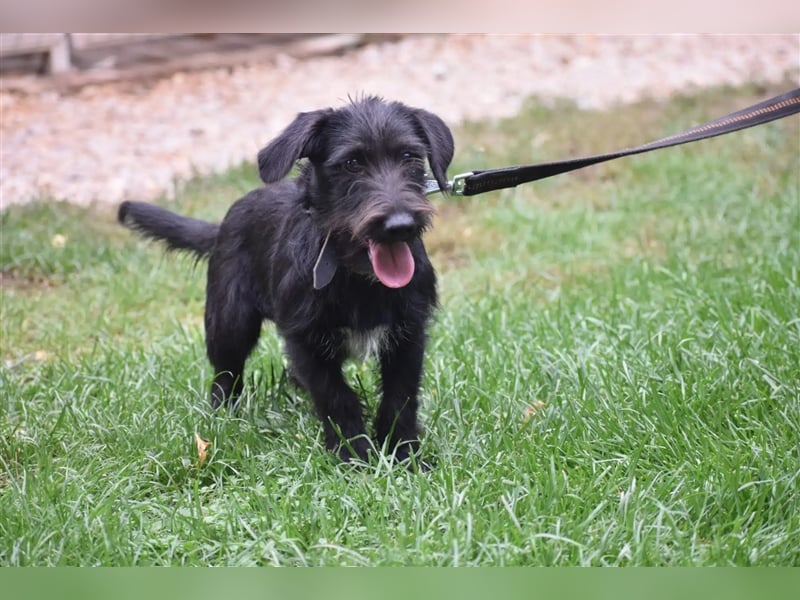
x=101, y=117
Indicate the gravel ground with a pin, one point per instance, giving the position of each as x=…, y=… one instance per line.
x=133, y=140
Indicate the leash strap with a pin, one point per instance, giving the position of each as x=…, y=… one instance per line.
x=478, y=182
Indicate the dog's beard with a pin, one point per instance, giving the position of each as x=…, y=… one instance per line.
x=392, y=262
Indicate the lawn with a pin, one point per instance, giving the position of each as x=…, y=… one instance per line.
x=613, y=377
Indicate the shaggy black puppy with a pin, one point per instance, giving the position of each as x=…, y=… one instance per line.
x=334, y=257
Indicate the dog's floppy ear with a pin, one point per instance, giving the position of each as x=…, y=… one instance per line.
x=298, y=140
x=440, y=144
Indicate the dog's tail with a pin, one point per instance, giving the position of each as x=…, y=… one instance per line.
x=179, y=232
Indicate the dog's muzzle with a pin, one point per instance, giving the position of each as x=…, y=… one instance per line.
x=389, y=252
x=385, y=250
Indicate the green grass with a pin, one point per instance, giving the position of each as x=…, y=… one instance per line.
x=647, y=310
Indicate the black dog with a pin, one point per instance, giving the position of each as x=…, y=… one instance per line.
x=334, y=257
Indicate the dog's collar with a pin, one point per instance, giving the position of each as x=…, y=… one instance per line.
x=326, y=263
x=325, y=267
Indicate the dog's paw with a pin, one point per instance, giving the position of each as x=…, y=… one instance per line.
x=353, y=450
x=408, y=455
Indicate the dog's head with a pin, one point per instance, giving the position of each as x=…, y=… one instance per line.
x=367, y=161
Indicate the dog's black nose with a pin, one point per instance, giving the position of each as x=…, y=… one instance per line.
x=400, y=226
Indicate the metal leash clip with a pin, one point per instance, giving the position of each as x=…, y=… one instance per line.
x=454, y=186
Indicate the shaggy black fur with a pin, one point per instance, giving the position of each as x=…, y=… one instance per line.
x=362, y=190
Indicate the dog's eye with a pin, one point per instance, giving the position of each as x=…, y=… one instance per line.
x=353, y=165
x=409, y=156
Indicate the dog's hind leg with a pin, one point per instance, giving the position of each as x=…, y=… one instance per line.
x=229, y=342
x=338, y=406
x=233, y=326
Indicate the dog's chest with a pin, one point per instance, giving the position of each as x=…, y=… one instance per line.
x=363, y=344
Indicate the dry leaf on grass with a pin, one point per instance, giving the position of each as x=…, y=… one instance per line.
x=533, y=408
x=202, y=449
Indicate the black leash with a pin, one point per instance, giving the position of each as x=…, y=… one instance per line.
x=478, y=182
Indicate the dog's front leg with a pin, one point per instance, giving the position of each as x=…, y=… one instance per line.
x=401, y=373
x=337, y=405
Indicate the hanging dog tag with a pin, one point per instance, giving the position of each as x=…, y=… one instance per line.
x=325, y=267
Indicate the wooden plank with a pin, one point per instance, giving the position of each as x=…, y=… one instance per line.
x=303, y=48
x=55, y=45
x=28, y=43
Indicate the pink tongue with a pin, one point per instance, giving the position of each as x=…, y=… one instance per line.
x=392, y=263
